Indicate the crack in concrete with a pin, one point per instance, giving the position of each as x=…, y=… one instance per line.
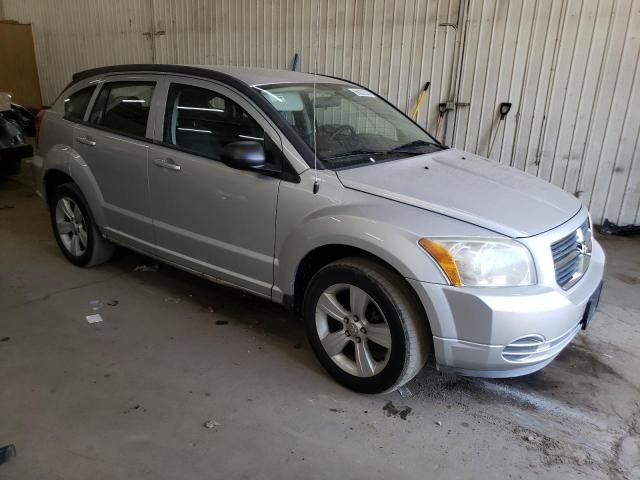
x=62, y=290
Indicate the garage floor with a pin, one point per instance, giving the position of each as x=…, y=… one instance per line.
x=129, y=397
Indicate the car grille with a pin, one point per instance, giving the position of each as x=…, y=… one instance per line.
x=571, y=256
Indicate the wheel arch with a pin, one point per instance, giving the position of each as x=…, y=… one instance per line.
x=323, y=255
x=74, y=170
x=53, y=178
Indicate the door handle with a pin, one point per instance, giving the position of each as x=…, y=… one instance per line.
x=87, y=141
x=166, y=163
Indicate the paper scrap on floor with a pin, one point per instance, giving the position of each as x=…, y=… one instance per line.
x=94, y=318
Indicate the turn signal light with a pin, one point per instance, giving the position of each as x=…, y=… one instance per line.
x=441, y=255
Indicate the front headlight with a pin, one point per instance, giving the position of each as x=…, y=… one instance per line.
x=482, y=262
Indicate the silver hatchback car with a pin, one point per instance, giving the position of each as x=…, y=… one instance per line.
x=395, y=249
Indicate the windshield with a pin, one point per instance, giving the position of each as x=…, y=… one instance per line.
x=354, y=126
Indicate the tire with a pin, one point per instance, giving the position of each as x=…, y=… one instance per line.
x=75, y=230
x=386, y=339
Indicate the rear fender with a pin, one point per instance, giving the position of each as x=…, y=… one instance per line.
x=67, y=160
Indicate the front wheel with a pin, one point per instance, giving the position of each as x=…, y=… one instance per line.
x=365, y=325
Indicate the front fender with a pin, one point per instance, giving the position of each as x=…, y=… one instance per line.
x=390, y=244
x=336, y=215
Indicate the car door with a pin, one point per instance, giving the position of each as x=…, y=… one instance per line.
x=208, y=216
x=114, y=142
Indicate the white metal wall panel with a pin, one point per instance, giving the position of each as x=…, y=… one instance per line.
x=391, y=46
x=73, y=35
x=615, y=116
x=569, y=67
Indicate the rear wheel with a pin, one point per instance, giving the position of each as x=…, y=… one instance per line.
x=365, y=325
x=74, y=228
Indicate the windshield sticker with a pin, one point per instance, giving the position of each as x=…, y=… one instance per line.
x=361, y=92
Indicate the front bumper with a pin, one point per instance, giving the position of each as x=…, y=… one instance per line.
x=506, y=332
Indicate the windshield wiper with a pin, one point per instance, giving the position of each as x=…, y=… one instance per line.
x=371, y=153
x=354, y=153
x=417, y=143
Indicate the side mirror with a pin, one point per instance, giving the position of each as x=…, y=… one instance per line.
x=244, y=155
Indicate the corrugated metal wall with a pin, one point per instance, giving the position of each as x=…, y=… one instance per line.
x=72, y=35
x=570, y=68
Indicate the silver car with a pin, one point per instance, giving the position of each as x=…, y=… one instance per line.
x=393, y=248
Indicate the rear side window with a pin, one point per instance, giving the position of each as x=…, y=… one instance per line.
x=76, y=104
x=203, y=121
x=123, y=107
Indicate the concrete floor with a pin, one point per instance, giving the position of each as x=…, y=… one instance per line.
x=128, y=397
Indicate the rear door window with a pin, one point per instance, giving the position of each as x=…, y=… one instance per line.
x=123, y=107
x=202, y=121
x=76, y=104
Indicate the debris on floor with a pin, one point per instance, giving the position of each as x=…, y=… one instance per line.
x=439, y=423
x=7, y=453
x=147, y=268
x=211, y=424
x=94, y=318
x=610, y=228
x=222, y=322
x=393, y=411
x=211, y=309
x=6, y=207
x=405, y=392
x=133, y=408
x=113, y=303
x=172, y=300
x=95, y=305
x=5, y=339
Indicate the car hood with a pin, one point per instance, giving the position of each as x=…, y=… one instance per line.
x=470, y=188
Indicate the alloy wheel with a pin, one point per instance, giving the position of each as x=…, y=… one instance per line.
x=71, y=226
x=353, y=330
